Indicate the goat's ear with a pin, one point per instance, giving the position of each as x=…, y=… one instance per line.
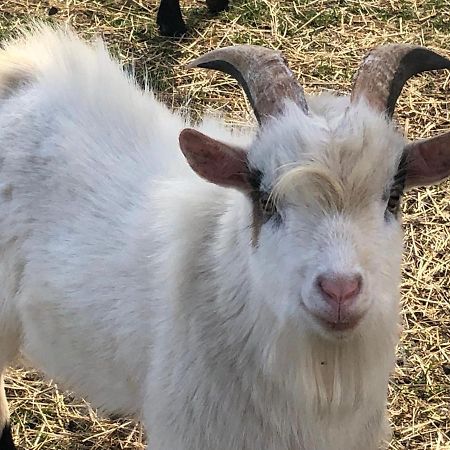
x=428, y=161
x=215, y=161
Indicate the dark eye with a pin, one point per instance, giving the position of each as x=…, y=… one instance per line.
x=393, y=202
x=266, y=204
x=394, y=194
x=267, y=207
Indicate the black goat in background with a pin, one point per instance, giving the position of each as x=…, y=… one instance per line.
x=170, y=19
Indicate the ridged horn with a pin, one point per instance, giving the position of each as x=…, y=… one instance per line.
x=262, y=73
x=386, y=69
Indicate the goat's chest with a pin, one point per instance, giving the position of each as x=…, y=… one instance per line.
x=314, y=428
x=321, y=416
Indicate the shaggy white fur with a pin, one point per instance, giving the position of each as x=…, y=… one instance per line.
x=135, y=283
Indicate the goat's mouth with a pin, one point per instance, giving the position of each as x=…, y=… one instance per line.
x=340, y=325
x=333, y=325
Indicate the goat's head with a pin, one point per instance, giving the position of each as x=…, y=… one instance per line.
x=325, y=183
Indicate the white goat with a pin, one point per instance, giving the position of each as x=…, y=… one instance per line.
x=256, y=310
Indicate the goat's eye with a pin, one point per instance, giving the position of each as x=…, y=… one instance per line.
x=393, y=198
x=267, y=205
x=394, y=195
x=393, y=202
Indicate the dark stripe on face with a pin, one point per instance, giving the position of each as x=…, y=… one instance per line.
x=263, y=206
x=6, y=440
x=400, y=176
x=255, y=179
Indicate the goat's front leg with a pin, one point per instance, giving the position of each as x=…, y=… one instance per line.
x=9, y=348
x=169, y=18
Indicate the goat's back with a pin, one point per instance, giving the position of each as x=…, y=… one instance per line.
x=80, y=149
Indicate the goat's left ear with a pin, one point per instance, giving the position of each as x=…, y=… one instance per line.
x=428, y=161
x=215, y=161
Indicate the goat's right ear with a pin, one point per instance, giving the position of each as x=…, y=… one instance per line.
x=428, y=161
x=215, y=161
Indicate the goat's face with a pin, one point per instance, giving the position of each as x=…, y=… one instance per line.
x=327, y=242
x=324, y=181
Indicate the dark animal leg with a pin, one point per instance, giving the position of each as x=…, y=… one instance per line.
x=216, y=6
x=169, y=18
x=6, y=440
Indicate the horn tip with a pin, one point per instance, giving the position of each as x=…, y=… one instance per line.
x=192, y=64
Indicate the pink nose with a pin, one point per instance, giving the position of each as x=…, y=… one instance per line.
x=339, y=288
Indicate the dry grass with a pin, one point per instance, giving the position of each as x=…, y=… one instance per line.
x=324, y=41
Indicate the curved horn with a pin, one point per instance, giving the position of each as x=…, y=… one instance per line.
x=386, y=69
x=262, y=73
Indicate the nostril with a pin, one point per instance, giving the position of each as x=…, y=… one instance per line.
x=340, y=288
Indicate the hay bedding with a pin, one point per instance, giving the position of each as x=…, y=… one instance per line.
x=323, y=41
